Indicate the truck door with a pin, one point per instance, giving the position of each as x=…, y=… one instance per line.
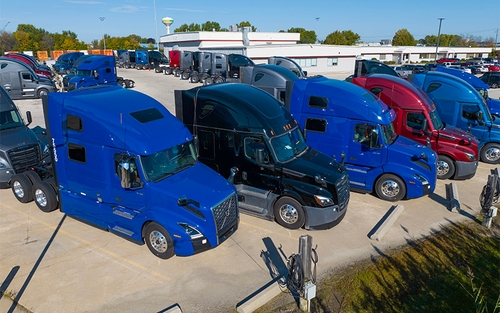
x=265, y=176
x=363, y=155
x=413, y=127
x=28, y=84
x=12, y=84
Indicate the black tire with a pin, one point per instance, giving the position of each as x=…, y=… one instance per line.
x=390, y=187
x=289, y=213
x=445, y=167
x=158, y=241
x=22, y=187
x=168, y=71
x=45, y=196
x=219, y=80
x=490, y=153
x=158, y=69
x=129, y=83
x=177, y=72
x=185, y=75
x=208, y=81
x=194, y=79
x=33, y=176
x=42, y=92
x=494, y=85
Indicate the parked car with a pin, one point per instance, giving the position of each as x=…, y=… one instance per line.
x=495, y=67
x=491, y=78
x=462, y=68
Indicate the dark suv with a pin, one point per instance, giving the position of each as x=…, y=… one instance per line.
x=491, y=78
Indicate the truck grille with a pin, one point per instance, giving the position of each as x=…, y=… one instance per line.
x=343, y=190
x=226, y=213
x=25, y=157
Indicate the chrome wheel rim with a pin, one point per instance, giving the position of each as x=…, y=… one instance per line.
x=40, y=197
x=390, y=188
x=18, y=189
x=158, y=241
x=289, y=214
x=443, y=168
x=493, y=154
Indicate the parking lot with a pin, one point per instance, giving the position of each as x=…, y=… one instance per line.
x=50, y=262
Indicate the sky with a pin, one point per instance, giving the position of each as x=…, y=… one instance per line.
x=371, y=20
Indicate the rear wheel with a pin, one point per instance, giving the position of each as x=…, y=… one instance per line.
x=168, y=71
x=22, y=187
x=219, y=80
x=289, y=213
x=45, y=196
x=185, y=75
x=390, y=188
x=494, y=85
x=208, y=81
x=445, y=167
x=158, y=241
x=194, y=78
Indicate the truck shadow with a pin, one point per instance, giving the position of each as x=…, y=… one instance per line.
x=35, y=267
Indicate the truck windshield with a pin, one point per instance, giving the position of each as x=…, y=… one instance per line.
x=388, y=133
x=10, y=119
x=289, y=145
x=168, y=162
x=436, y=120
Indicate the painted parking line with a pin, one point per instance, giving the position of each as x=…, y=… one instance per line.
x=88, y=243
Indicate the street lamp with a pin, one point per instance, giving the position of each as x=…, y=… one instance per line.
x=156, y=25
x=102, y=18
x=439, y=34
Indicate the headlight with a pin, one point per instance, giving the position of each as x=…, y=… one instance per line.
x=323, y=201
x=421, y=179
x=470, y=156
x=191, y=231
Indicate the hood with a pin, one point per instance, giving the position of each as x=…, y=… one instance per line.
x=405, y=148
x=17, y=137
x=457, y=133
x=198, y=183
x=315, y=163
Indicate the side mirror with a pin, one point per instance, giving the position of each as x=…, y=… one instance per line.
x=479, y=117
x=29, y=118
x=259, y=156
x=373, y=139
x=425, y=127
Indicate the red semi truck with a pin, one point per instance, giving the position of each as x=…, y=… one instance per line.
x=418, y=119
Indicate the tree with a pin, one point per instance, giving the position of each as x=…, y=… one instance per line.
x=246, y=24
x=209, y=26
x=306, y=36
x=346, y=37
x=7, y=42
x=403, y=38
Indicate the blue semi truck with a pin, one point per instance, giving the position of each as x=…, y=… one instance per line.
x=113, y=167
x=459, y=104
x=346, y=121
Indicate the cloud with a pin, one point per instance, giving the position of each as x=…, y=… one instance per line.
x=84, y=2
x=128, y=9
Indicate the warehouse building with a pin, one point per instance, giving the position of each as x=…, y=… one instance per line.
x=313, y=58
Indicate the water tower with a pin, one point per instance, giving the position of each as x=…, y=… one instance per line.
x=167, y=21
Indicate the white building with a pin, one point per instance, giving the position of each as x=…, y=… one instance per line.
x=313, y=58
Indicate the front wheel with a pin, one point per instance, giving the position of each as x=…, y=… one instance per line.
x=158, y=241
x=42, y=92
x=390, y=188
x=45, y=196
x=445, y=167
x=22, y=187
x=289, y=213
x=494, y=85
x=490, y=153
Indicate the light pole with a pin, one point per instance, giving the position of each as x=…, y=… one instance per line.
x=439, y=34
x=102, y=18
x=156, y=25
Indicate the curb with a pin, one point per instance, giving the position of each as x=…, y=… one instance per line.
x=259, y=298
x=452, y=196
x=387, y=222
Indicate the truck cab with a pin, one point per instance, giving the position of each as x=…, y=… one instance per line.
x=94, y=71
x=460, y=105
x=65, y=62
x=138, y=183
x=346, y=121
x=20, y=148
x=418, y=119
x=245, y=134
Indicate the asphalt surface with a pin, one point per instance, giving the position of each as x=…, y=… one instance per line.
x=50, y=262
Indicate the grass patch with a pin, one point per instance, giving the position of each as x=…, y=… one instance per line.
x=455, y=270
